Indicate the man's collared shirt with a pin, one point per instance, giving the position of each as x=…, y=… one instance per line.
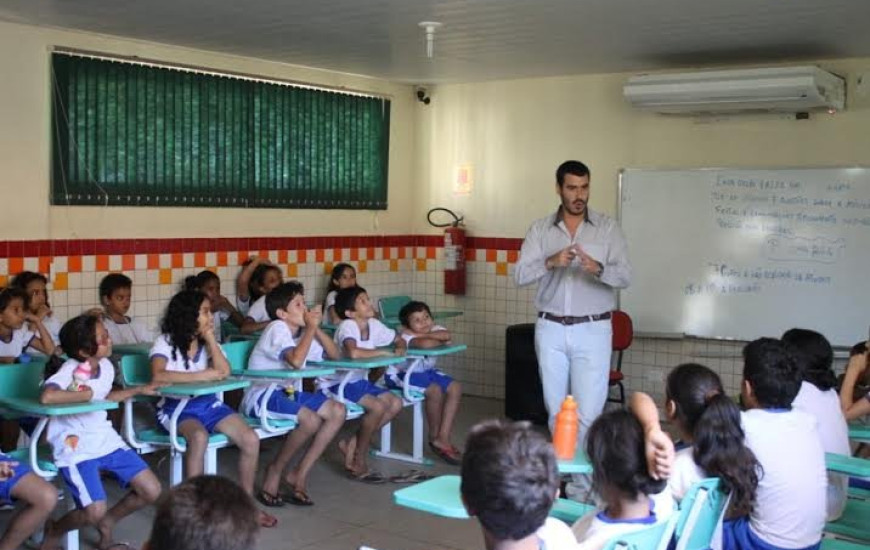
x=568, y=291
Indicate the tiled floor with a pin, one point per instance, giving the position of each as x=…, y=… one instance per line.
x=347, y=514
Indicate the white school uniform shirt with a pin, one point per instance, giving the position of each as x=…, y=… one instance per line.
x=268, y=354
x=684, y=473
x=379, y=335
x=329, y=301
x=594, y=530
x=257, y=312
x=243, y=305
x=86, y=436
x=197, y=363
x=556, y=535
x=790, y=502
x=834, y=433
x=52, y=326
x=426, y=363
x=131, y=332
x=219, y=317
x=18, y=341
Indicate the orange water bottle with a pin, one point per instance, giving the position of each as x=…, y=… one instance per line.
x=565, y=432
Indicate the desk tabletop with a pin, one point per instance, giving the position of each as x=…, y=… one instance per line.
x=196, y=389
x=434, y=352
x=850, y=465
x=33, y=406
x=579, y=465
x=281, y=374
x=859, y=431
x=366, y=363
x=439, y=496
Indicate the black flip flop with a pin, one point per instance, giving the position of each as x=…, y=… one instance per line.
x=268, y=499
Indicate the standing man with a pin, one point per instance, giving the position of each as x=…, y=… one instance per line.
x=578, y=258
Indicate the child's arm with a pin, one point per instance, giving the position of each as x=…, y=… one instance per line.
x=245, y=276
x=43, y=341
x=330, y=350
x=299, y=353
x=53, y=395
x=854, y=409
x=249, y=326
x=351, y=350
x=333, y=317
x=120, y=395
x=659, y=447
x=7, y=360
x=428, y=339
x=222, y=304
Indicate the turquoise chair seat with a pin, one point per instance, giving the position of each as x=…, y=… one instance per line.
x=569, y=510
x=836, y=544
x=275, y=423
x=415, y=395
x=858, y=493
x=158, y=436
x=854, y=522
x=43, y=460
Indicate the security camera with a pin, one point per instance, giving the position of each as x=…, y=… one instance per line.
x=422, y=97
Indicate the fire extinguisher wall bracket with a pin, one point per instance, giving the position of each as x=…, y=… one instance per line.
x=454, y=252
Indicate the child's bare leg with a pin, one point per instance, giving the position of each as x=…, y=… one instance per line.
x=249, y=448
x=40, y=498
x=451, y=406
x=434, y=404
x=332, y=413
x=392, y=407
x=197, y=442
x=145, y=490
x=308, y=424
x=72, y=520
x=371, y=421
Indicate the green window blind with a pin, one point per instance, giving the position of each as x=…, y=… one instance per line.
x=131, y=134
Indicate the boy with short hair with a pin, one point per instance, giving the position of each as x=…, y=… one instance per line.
x=115, y=295
x=293, y=338
x=509, y=483
x=442, y=392
x=205, y=513
x=358, y=336
x=790, y=504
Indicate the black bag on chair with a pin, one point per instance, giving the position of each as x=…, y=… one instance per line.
x=524, y=396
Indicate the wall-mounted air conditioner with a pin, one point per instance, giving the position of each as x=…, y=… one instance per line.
x=775, y=89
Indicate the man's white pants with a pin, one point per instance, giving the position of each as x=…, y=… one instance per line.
x=575, y=358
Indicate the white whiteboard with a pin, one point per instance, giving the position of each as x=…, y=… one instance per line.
x=736, y=253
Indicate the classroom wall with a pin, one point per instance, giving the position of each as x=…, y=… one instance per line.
x=25, y=151
x=515, y=133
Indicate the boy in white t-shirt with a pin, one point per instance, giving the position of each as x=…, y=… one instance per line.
x=86, y=445
x=818, y=397
x=790, y=502
x=359, y=335
x=291, y=340
x=509, y=483
x=442, y=392
x=116, y=291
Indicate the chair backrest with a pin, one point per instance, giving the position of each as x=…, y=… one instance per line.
x=655, y=537
x=135, y=370
x=623, y=330
x=701, y=510
x=390, y=306
x=238, y=353
x=22, y=379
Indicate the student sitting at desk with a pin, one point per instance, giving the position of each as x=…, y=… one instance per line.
x=116, y=292
x=856, y=374
x=187, y=352
x=34, y=286
x=509, y=483
x=85, y=444
x=790, y=504
x=222, y=310
x=264, y=278
x=15, y=336
x=343, y=276
x=442, y=392
x=289, y=341
x=359, y=335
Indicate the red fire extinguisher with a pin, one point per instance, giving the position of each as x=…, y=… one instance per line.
x=454, y=252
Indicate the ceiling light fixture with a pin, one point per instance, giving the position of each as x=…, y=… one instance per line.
x=430, y=27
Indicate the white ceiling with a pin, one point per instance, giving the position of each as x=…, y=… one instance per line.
x=481, y=39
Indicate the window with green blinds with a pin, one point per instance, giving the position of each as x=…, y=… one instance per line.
x=136, y=135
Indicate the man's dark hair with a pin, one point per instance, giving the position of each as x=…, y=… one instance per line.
x=814, y=356
x=205, y=513
x=771, y=369
x=113, y=282
x=345, y=300
x=281, y=295
x=410, y=308
x=509, y=478
x=573, y=167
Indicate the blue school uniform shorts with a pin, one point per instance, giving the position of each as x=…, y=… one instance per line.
x=208, y=410
x=736, y=535
x=286, y=407
x=83, y=479
x=420, y=380
x=355, y=391
x=8, y=485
